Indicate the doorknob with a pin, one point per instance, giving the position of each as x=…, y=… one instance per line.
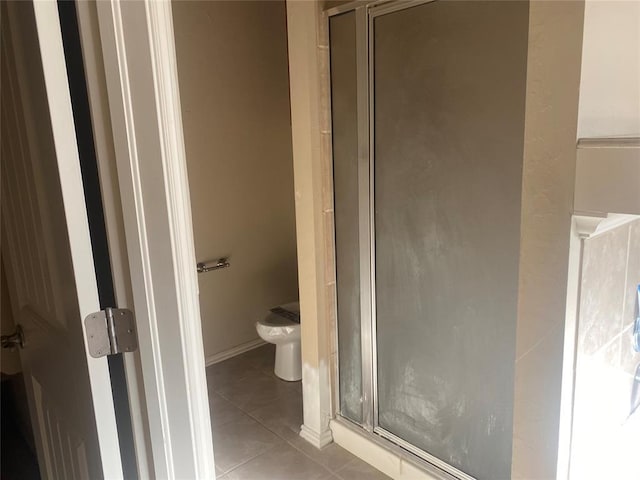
x=13, y=340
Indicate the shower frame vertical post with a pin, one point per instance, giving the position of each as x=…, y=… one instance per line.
x=364, y=219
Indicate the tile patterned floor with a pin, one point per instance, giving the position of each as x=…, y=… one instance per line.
x=256, y=418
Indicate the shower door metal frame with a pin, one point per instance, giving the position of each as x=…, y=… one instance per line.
x=360, y=9
x=365, y=192
x=366, y=13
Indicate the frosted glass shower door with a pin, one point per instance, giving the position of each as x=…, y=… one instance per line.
x=448, y=91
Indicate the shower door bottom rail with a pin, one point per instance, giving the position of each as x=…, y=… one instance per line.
x=413, y=455
x=426, y=456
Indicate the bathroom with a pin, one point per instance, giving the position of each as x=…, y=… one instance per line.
x=462, y=239
x=248, y=149
x=232, y=60
x=241, y=183
x=239, y=162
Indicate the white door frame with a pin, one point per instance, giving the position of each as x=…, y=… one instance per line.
x=140, y=68
x=87, y=16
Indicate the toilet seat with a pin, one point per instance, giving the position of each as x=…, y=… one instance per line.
x=285, y=334
x=277, y=328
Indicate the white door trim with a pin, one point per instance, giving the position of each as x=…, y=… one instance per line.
x=139, y=52
x=140, y=66
x=104, y=148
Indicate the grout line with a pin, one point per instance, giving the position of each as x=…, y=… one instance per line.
x=353, y=460
x=626, y=279
x=295, y=447
x=215, y=388
x=245, y=410
x=540, y=340
x=624, y=298
x=610, y=342
x=248, y=460
x=211, y=409
x=272, y=429
x=270, y=375
x=309, y=456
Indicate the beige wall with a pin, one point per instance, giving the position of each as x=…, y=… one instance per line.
x=233, y=73
x=553, y=76
x=610, y=78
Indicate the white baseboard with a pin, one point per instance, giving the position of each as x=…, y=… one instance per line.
x=396, y=466
x=232, y=352
x=316, y=439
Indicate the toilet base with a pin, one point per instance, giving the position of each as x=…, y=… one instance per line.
x=288, y=362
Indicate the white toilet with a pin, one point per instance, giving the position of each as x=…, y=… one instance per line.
x=280, y=329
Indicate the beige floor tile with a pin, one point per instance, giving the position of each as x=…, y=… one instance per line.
x=255, y=391
x=268, y=445
x=282, y=415
x=235, y=443
x=280, y=463
x=263, y=358
x=296, y=386
x=360, y=470
x=222, y=411
x=332, y=456
x=229, y=371
x=229, y=383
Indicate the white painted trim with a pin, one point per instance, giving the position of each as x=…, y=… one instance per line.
x=612, y=221
x=140, y=65
x=584, y=224
x=375, y=451
x=160, y=25
x=105, y=156
x=316, y=439
x=233, y=352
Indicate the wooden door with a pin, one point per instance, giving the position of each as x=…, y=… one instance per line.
x=47, y=250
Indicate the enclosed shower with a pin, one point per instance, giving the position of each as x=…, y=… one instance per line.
x=427, y=106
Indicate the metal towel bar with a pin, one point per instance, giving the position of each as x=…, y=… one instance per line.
x=223, y=262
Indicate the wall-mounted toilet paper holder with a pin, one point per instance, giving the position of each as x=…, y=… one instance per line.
x=204, y=267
